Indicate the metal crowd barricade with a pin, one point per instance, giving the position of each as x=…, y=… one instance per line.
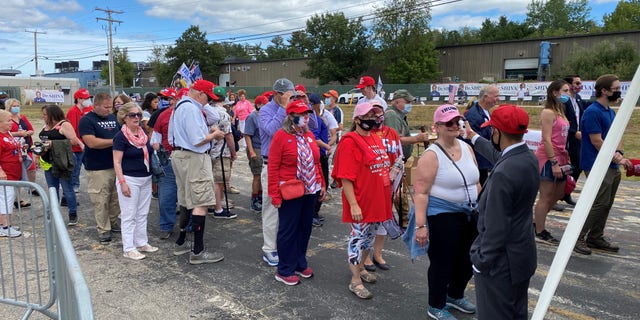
x=39, y=270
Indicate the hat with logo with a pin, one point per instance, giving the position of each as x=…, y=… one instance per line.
x=403, y=94
x=283, y=85
x=206, y=87
x=366, y=81
x=314, y=98
x=297, y=106
x=362, y=109
x=82, y=93
x=445, y=113
x=331, y=93
x=168, y=92
x=182, y=92
x=220, y=93
x=509, y=119
x=262, y=100
x=300, y=87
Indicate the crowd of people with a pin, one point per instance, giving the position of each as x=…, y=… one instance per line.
x=470, y=205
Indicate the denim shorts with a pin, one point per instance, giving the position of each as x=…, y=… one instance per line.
x=546, y=174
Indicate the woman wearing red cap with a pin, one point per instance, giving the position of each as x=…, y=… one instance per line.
x=446, y=193
x=361, y=168
x=552, y=157
x=294, y=156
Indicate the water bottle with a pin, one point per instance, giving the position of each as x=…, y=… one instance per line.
x=566, y=169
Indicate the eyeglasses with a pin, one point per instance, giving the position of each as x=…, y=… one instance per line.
x=133, y=115
x=615, y=89
x=449, y=123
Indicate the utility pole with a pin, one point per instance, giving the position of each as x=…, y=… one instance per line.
x=35, y=46
x=110, y=41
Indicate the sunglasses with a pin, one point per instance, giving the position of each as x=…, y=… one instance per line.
x=450, y=123
x=133, y=115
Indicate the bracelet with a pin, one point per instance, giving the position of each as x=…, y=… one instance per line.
x=422, y=226
x=121, y=181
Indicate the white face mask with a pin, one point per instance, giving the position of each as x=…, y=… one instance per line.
x=86, y=103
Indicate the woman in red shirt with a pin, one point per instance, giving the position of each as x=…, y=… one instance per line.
x=294, y=154
x=10, y=169
x=22, y=130
x=361, y=168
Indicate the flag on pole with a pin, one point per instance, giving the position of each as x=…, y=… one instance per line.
x=186, y=75
x=195, y=72
x=379, y=87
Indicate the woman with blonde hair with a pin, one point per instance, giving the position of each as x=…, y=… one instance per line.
x=10, y=169
x=132, y=163
x=553, y=158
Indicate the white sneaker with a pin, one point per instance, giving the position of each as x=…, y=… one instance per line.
x=10, y=232
x=147, y=248
x=134, y=255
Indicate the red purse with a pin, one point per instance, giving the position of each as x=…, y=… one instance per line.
x=292, y=189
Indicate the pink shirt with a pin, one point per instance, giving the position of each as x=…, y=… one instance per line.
x=242, y=109
x=559, y=133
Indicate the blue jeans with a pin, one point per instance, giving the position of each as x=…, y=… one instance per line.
x=67, y=190
x=75, y=176
x=167, y=198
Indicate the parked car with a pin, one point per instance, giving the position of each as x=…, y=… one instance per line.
x=354, y=94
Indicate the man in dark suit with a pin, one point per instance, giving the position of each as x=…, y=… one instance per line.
x=504, y=253
x=573, y=110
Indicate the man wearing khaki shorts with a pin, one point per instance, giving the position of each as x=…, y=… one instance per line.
x=191, y=139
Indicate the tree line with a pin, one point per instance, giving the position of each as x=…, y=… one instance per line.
x=399, y=42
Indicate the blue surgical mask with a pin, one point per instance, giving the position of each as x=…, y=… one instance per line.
x=15, y=110
x=327, y=101
x=163, y=104
x=564, y=98
x=407, y=108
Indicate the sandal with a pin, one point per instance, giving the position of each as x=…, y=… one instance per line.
x=368, y=277
x=359, y=290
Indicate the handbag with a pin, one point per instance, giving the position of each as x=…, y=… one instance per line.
x=292, y=189
x=156, y=165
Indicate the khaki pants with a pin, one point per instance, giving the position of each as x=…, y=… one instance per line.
x=104, y=197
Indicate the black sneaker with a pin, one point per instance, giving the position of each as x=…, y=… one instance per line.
x=334, y=185
x=116, y=228
x=320, y=217
x=581, y=247
x=224, y=214
x=316, y=222
x=105, y=239
x=568, y=200
x=602, y=244
x=546, y=237
x=73, y=220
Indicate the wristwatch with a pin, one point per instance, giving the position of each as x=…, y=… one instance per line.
x=553, y=162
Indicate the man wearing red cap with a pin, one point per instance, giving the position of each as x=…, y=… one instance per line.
x=504, y=253
x=368, y=88
x=82, y=105
x=191, y=140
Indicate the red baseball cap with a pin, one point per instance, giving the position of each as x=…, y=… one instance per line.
x=168, y=92
x=331, y=93
x=182, y=92
x=267, y=94
x=366, y=81
x=206, y=87
x=509, y=118
x=300, y=87
x=261, y=100
x=297, y=106
x=82, y=93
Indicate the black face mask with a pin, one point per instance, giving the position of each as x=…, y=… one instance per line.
x=367, y=125
x=497, y=145
x=614, y=97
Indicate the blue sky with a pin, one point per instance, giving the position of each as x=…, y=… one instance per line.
x=73, y=33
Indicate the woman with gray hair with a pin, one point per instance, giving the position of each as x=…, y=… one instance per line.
x=132, y=164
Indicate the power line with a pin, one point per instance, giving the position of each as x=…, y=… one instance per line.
x=110, y=39
x=35, y=45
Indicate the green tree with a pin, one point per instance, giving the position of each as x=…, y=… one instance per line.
x=338, y=48
x=234, y=50
x=161, y=69
x=280, y=50
x=504, y=29
x=122, y=68
x=463, y=35
x=626, y=16
x=559, y=17
x=193, y=47
x=619, y=57
x=406, y=48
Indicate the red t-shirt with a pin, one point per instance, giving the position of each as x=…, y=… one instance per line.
x=162, y=127
x=390, y=140
x=364, y=161
x=10, y=156
x=73, y=116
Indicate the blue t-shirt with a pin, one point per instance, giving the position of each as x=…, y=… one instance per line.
x=321, y=133
x=132, y=157
x=252, y=129
x=103, y=128
x=596, y=119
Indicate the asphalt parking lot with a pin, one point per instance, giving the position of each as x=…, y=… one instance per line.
x=162, y=286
